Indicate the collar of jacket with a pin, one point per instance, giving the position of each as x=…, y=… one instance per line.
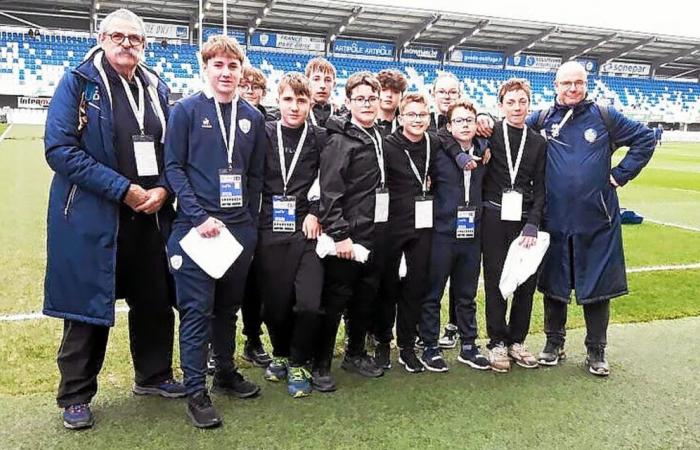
x=92, y=69
x=579, y=107
x=344, y=125
x=209, y=93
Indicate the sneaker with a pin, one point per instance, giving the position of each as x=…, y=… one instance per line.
x=277, y=370
x=201, y=411
x=597, y=365
x=78, y=417
x=551, y=354
x=420, y=345
x=382, y=355
x=321, y=379
x=255, y=353
x=449, y=339
x=298, y=382
x=362, y=365
x=522, y=356
x=498, y=358
x=471, y=356
x=233, y=383
x=211, y=364
x=433, y=361
x=169, y=388
x=409, y=361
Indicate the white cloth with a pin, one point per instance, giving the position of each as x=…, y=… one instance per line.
x=325, y=246
x=403, y=268
x=213, y=255
x=521, y=263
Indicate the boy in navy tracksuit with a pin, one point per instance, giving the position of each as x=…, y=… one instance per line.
x=215, y=152
x=456, y=247
x=288, y=271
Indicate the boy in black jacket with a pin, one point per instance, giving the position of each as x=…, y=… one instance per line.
x=288, y=271
x=456, y=177
x=515, y=179
x=409, y=151
x=353, y=198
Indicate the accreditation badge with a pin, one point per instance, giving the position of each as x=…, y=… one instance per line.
x=230, y=188
x=466, y=222
x=424, y=212
x=284, y=213
x=145, y=155
x=381, y=205
x=511, y=205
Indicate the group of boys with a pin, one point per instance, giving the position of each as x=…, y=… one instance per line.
x=375, y=183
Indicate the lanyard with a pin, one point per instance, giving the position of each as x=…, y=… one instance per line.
x=436, y=117
x=140, y=109
x=378, y=149
x=313, y=116
x=231, y=140
x=513, y=171
x=424, y=181
x=280, y=149
x=394, y=125
x=557, y=129
x=468, y=179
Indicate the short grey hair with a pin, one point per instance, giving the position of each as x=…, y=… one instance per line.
x=123, y=14
x=449, y=75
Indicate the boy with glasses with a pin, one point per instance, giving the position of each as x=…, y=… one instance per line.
x=353, y=199
x=456, y=245
x=253, y=88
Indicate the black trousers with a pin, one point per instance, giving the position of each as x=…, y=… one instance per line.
x=596, y=315
x=251, y=309
x=347, y=285
x=290, y=279
x=460, y=261
x=409, y=292
x=142, y=279
x=497, y=237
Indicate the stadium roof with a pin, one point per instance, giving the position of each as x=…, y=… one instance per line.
x=669, y=55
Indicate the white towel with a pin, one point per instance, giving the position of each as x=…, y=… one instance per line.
x=326, y=246
x=521, y=263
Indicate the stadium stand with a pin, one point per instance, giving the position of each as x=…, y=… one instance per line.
x=31, y=66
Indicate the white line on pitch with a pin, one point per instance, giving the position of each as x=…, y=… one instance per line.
x=7, y=130
x=123, y=308
x=675, y=225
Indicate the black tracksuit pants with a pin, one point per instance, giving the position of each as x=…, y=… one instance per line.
x=596, y=315
x=407, y=293
x=351, y=286
x=290, y=280
x=460, y=261
x=251, y=309
x=142, y=279
x=497, y=237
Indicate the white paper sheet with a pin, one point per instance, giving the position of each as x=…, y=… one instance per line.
x=213, y=255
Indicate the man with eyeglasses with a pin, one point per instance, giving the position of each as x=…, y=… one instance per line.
x=446, y=91
x=253, y=88
x=354, y=200
x=583, y=213
x=109, y=214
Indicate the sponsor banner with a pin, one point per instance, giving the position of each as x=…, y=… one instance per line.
x=363, y=48
x=625, y=68
x=533, y=63
x=33, y=102
x=422, y=52
x=239, y=35
x=167, y=30
x=591, y=65
x=477, y=58
x=288, y=42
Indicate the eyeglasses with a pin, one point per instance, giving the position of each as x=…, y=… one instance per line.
x=365, y=100
x=411, y=117
x=464, y=120
x=253, y=87
x=450, y=93
x=569, y=84
x=134, y=39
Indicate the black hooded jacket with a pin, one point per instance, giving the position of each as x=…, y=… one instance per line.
x=349, y=177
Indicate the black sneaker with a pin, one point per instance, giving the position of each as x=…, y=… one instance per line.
x=255, y=353
x=471, y=356
x=551, y=354
x=362, y=365
x=449, y=339
x=409, y=361
x=382, y=355
x=597, y=365
x=420, y=345
x=201, y=411
x=321, y=379
x=78, y=417
x=433, y=361
x=169, y=388
x=233, y=383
